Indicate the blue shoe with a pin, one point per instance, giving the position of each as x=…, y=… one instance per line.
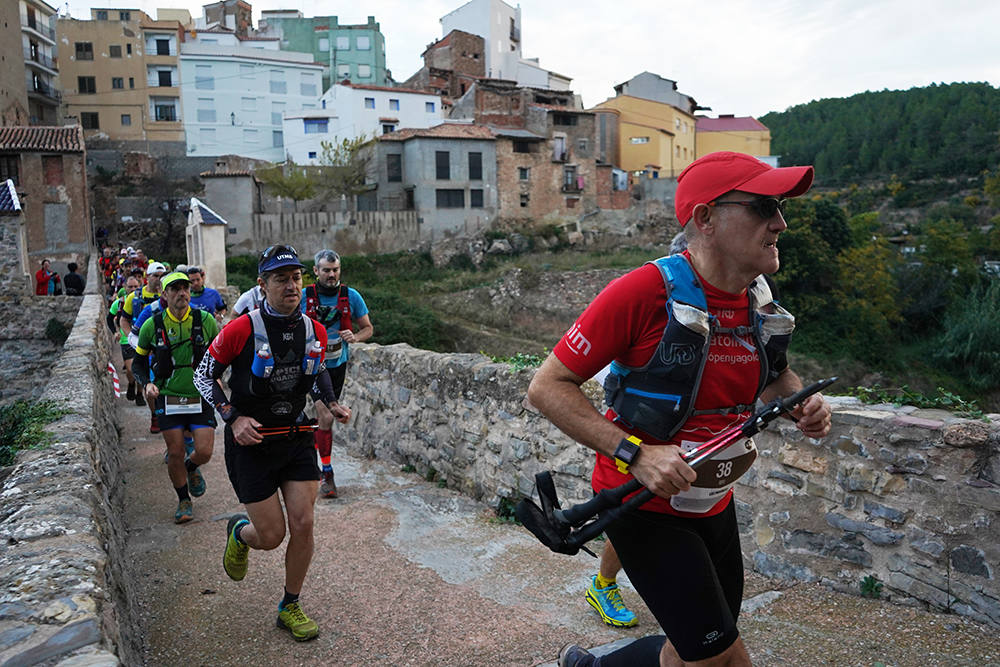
x=608, y=603
x=196, y=483
x=188, y=446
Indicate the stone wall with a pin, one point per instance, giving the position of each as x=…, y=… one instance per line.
x=909, y=496
x=359, y=232
x=64, y=596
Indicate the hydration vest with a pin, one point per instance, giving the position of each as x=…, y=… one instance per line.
x=260, y=386
x=317, y=311
x=659, y=397
x=139, y=302
x=162, y=357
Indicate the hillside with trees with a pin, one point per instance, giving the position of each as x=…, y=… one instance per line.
x=943, y=130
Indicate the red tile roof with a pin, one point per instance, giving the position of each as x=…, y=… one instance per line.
x=364, y=86
x=729, y=124
x=442, y=131
x=67, y=139
x=225, y=174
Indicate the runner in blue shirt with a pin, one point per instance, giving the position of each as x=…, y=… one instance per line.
x=202, y=297
x=341, y=310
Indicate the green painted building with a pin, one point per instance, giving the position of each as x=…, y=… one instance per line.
x=355, y=52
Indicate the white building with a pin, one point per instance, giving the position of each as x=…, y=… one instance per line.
x=235, y=92
x=349, y=110
x=499, y=25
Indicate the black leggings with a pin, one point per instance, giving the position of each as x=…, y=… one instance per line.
x=689, y=573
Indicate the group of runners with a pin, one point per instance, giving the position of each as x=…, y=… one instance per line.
x=662, y=334
x=283, y=344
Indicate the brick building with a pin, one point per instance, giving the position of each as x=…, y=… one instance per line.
x=451, y=65
x=48, y=168
x=546, y=160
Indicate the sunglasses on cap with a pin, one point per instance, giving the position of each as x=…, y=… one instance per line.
x=273, y=250
x=765, y=207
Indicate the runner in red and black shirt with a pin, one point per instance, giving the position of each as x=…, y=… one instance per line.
x=276, y=357
x=682, y=550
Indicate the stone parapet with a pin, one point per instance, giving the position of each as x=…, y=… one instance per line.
x=908, y=496
x=64, y=593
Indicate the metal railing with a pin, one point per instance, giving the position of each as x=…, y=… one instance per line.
x=43, y=88
x=40, y=58
x=40, y=28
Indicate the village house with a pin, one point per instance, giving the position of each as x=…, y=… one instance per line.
x=447, y=173
x=47, y=166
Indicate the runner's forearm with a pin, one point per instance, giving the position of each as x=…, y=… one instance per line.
x=140, y=369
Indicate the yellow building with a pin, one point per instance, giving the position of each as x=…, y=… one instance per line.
x=654, y=139
x=120, y=76
x=730, y=133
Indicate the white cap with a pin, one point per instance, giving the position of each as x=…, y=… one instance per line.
x=155, y=267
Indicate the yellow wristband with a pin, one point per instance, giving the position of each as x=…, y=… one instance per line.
x=626, y=452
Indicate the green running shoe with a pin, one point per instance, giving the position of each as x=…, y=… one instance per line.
x=293, y=619
x=608, y=603
x=185, y=511
x=237, y=554
x=196, y=483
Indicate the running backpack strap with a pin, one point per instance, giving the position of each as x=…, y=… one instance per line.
x=344, y=307
x=259, y=330
x=198, y=346
x=312, y=300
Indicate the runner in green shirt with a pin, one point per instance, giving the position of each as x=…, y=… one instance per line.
x=171, y=343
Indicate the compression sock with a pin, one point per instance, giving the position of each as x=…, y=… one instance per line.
x=182, y=492
x=645, y=651
x=324, y=444
x=190, y=465
x=601, y=582
x=288, y=599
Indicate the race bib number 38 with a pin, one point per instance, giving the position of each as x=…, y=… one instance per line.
x=715, y=476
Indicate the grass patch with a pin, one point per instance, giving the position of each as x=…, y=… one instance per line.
x=504, y=512
x=21, y=427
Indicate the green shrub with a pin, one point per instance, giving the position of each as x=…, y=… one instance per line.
x=21, y=425
x=400, y=319
x=970, y=343
x=56, y=331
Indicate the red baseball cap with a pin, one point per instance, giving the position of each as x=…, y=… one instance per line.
x=709, y=177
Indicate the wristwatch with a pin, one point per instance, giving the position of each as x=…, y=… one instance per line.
x=626, y=452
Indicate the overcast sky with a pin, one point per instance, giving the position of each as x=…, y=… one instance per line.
x=740, y=57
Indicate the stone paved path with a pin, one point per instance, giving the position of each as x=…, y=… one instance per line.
x=406, y=573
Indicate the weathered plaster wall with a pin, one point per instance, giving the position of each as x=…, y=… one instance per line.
x=908, y=496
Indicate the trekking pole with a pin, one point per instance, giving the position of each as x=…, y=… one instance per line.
x=567, y=530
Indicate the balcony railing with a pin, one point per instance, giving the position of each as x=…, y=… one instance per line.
x=43, y=89
x=40, y=28
x=40, y=58
x=572, y=188
x=154, y=51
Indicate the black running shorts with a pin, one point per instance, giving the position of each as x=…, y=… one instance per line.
x=689, y=573
x=128, y=352
x=257, y=471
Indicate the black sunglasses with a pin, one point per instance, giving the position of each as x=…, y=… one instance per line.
x=273, y=250
x=765, y=207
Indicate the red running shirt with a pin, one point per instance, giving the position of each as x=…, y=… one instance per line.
x=625, y=323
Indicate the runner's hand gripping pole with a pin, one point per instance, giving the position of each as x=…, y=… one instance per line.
x=568, y=530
